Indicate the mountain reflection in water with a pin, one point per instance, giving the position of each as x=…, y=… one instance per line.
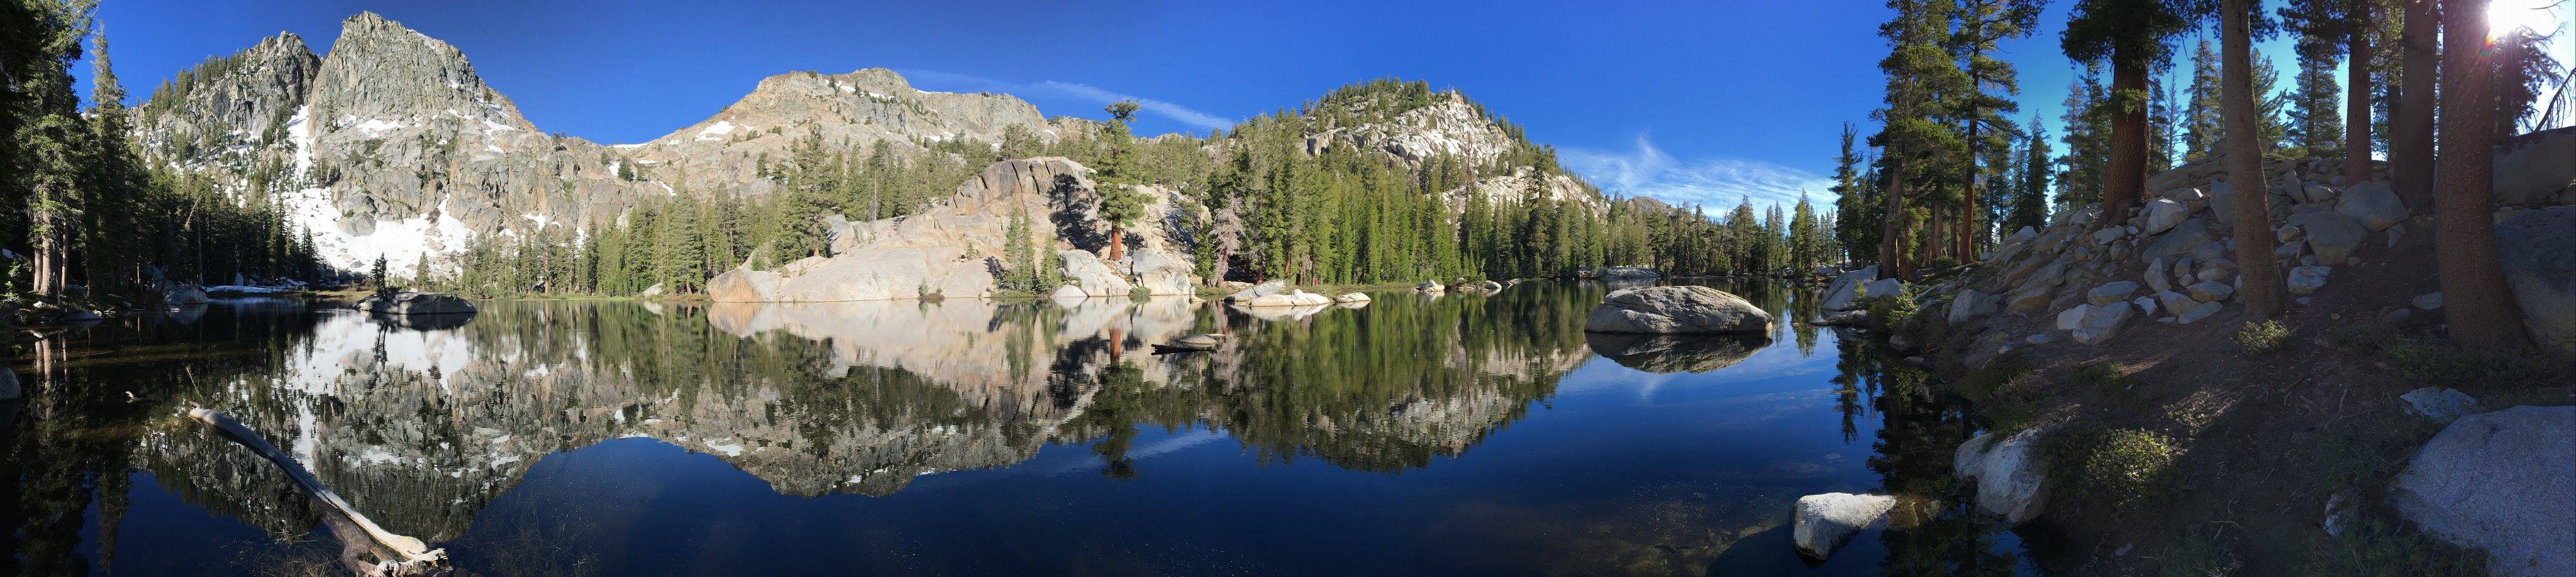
x=976, y=437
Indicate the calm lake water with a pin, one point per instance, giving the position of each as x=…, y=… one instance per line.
x=1454, y=434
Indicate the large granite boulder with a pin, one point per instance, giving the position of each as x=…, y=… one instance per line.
x=1971, y=304
x=1085, y=271
x=1824, y=522
x=2098, y=323
x=2331, y=235
x=2504, y=482
x=2534, y=168
x=2374, y=205
x=1839, y=296
x=2181, y=239
x=1676, y=310
x=414, y=303
x=180, y=295
x=1676, y=353
x=2537, y=250
x=1292, y=298
x=1257, y=291
x=2163, y=215
x=2011, y=475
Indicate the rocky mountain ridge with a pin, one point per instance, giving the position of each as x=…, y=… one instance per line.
x=391, y=146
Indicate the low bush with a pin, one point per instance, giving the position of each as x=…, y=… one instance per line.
x=2122, y=470
x=2264, y=337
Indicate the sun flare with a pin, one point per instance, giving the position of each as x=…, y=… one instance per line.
x=2541, y=16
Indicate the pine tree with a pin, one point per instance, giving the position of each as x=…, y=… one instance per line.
x=2200, y=126
x=2030, y=202
x=2131, y=36
x=2315, y=128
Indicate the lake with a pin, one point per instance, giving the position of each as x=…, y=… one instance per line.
x=1451, y=434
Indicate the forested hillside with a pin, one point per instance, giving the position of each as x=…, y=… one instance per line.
x=82, y=216
x=1379, y=181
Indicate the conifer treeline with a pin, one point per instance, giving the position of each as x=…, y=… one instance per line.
x=1275, y=210
x=80, y=213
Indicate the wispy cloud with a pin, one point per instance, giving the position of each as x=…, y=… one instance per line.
x=1072, y=90
x=1716, y=182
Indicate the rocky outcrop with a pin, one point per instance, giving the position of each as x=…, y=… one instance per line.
x=862, y=109
x=2500, y=482
x=1676, y=310
x=2011, y=476
x=415, y=303
x=953, y=249
x=1824, y=522
x=2537, y=250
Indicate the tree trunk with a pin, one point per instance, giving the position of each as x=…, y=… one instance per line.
x=1966, y=245
x=2125, y=180
x=2259, y=284
x=2482, y=314
x=2356, y=106
x=2410, y=140
x=1891, y=258
x=1117, y=248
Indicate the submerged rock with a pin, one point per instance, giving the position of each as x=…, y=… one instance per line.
x=2504, y=482
x=1824, y=522
x=1676, y=310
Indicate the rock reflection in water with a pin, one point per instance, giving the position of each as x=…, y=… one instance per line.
x=1677, y=353
x=425, y=427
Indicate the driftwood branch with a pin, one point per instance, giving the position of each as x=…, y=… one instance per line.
x=411, y=555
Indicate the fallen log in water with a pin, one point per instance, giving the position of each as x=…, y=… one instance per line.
x=411, y=556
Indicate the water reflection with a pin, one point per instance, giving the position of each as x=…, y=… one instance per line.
x=425, y=425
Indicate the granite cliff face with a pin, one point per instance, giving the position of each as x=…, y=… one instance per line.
x=388, y=146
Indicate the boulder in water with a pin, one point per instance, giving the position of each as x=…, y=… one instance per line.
x=2011, y=478
x=1676, y=310
x=1824, y=522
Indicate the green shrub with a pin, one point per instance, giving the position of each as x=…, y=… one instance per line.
x=2000, y=394
x=2264, y=337
x=1943, y=263
x=1889, y=311
x=2124, y=470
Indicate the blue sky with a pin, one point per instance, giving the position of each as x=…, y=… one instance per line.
x=1702, y=102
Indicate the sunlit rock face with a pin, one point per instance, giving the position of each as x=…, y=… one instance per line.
x=952, y=249
x=421, y=427
x=862, y=109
